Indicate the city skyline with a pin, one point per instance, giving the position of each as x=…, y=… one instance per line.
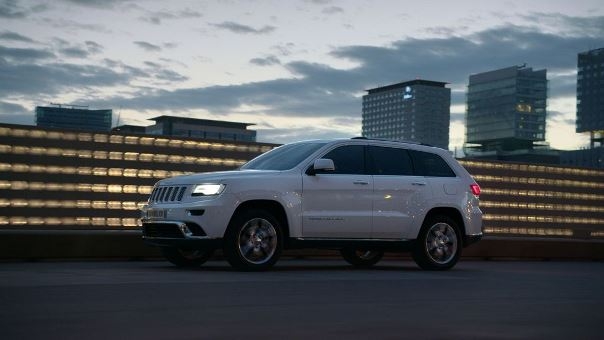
x=297, y=70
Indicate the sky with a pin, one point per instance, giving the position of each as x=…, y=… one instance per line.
x=296, y=69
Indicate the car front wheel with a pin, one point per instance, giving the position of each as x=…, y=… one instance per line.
x=438, y=246
x=254, y=240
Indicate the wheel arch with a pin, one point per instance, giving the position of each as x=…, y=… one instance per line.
x=451, y=213
x=271, y=206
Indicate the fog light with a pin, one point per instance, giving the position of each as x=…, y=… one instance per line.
x=185, y=230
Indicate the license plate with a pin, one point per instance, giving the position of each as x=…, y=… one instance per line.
x=156, y=214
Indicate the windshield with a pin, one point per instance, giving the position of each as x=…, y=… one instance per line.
x=284, y=157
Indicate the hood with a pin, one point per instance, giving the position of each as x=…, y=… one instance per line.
x=216, y=177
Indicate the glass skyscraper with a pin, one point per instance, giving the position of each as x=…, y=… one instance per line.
x=73, y=117
x=590, y=94
x=506, y=110
x=417, y=110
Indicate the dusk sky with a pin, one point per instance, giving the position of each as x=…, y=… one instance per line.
x=296, y=69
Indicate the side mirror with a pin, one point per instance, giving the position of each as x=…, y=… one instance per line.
x=321, y=165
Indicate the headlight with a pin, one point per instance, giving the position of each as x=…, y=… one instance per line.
x=207, y=189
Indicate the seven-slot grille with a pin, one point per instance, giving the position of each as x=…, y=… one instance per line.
x=167, y=194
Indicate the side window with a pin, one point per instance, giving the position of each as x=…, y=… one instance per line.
x=390, y=161
x=348, y=159
x=429, y=164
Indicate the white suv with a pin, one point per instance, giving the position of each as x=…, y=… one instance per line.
x=360, y=196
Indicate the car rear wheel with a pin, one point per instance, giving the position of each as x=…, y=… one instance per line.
x=361, y=257
x=438, y=246
x=187, y=257
x=254, y=240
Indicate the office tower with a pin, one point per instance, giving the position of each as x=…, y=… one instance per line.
x=506, y=111
x=416, y=110
x=201, y=128
x=590, y=95
x=73, y=117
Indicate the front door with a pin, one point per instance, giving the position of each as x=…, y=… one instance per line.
x=338, y=204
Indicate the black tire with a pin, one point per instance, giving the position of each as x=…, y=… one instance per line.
x=253, y=241
x=187, y=258
x=438, y=245
x=361, y=258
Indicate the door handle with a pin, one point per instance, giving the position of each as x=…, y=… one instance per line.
x=418, y=183
x=360, y=182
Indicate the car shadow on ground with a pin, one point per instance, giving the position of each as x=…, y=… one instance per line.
x=302, y=266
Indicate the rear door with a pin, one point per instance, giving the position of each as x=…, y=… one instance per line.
x=399, y=195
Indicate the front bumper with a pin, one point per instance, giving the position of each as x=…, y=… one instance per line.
x=471, y=239
x=177, y=234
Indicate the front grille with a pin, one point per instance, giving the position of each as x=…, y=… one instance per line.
x=167, y=194
x=167, y=230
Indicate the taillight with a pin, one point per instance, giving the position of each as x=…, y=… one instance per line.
x=475, y=188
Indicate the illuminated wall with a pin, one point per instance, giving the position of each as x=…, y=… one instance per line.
x=538, y=200
x=53, y=179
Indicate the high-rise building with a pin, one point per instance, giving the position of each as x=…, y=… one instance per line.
x=73, y=117
x=201, y=128
x=590, y=95
x=506, y=111
x=416, y=110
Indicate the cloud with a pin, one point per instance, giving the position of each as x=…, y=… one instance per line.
x=569, y=25
x=93, y=47
x=74, y=26
x=320, y=90
x=147, y=46
x=333, y=10
x=267, y=61
x=157, y=17
x=10, y=9
x=8, y=35
x=20, y=55
x=561, y=118
x=15, y=114
x=10, y=108
x=105, y=4
x=286, y=135
x=314, y=90
x=319, y=2
x=244, y=29
x=284, y=50
x=74, y=52
x=169, y=75
x=50, y=79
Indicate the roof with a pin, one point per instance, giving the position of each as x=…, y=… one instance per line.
x=407, y=83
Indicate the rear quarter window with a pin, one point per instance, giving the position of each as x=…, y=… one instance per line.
x=430, y=165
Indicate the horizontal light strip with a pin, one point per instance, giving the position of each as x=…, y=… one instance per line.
x=542, y=206
x=541, y=193
x=532, y=168
x=69, y=221
x=538, y=181
x=70, y=204
x=131, y=140
x=90, y=171
x=528, y=231
x=542, y=219
x=597, y=234
x=115, y=155
x=79, y=187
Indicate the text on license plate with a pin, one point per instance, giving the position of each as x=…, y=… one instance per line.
x=156, y=213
